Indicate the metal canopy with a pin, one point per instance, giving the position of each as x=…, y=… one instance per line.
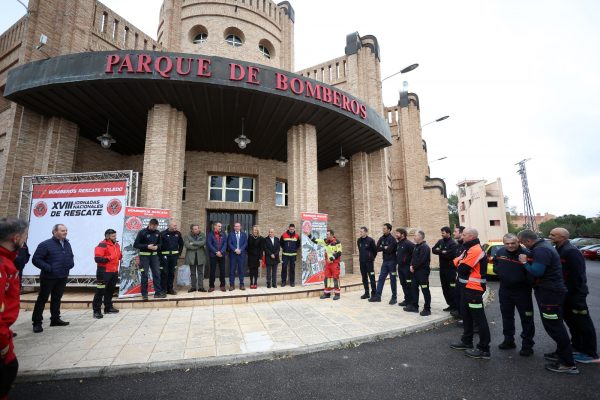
x=79, y=88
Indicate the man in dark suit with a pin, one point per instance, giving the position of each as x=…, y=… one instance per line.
x=217, y=246
x=237, y=244
x=271, y=248
x=54, y=257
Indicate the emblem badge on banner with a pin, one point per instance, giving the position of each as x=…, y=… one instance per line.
x=313, y=255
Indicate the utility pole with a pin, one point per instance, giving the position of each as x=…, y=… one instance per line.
x=527, y=204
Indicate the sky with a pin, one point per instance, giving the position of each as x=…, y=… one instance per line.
x=519, y=79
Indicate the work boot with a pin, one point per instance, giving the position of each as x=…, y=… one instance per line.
x=426, y=312
x=325, y=296
x=172, y=292
x=455, y=314
x=448, y=309
x=365, y=296
x=160, y=296
x=403, y=304
x=37, y=328
x=59, y=322
x=111, y=310
x=222, y=287
x=282, y=284
x=98, y=315
x=242, y=287
x=478, y=353
x=202, y=290
x=375, y=299
x=231, y=287
x=336, y=297
x=268, y=285
x=526, y=352
x=292, y=284
x=392, y=301
x=411, y=309
x=145, y=298
x=507, y=345
x=461, y=346
x=191, y=290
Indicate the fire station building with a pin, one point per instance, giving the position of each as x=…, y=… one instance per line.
x=214, y=117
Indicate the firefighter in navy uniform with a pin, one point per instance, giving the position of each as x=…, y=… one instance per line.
x=577, y=315
x=290, y=244
x=420, y=268
x=333, y=254
x=404, y=251
x=367, y=251
x=550, y=290
x=445, y=249
x=148, y=242
x=515, y=291
x=170, y=249
x=108, y=257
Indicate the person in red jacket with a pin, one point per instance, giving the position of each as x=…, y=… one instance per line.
x=108, y=257
x=13, y=233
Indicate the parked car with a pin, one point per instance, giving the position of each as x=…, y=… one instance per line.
x=585, y=242
x=591, y=252
x=490, y=249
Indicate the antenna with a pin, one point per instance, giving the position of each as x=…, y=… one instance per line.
x=527, y=204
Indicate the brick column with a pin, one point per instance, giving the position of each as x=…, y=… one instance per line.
x=303, y=188
x=164, y=157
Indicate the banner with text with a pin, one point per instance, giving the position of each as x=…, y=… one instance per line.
x=137, y=218
x=313, y=255
x=86, y=209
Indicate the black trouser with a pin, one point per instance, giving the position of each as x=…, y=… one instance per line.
x=167, y=271
x=458, y=293
x=521, y=299
x=213, y=269
x=197, y=276
x=253, y=270
x=105, y=286
x=150, y=263
x=285, y=261
x=583, y=332
x=473, y=313
x=367, y=271
x=272, y=274
x=54, y=287
x=8, y=373
x=550, y=304
x=448, y=280
x=406, y=278
x=421, y=281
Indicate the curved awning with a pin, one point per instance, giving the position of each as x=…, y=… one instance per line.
x=215, y=93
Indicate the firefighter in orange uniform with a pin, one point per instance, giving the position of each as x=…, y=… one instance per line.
x=108, y=257
x=333, y=254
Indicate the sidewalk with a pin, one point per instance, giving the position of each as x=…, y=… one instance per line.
x=142, y=340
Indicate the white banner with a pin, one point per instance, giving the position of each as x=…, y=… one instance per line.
x=86, y=209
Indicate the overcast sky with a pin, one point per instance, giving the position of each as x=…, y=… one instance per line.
x=519, y=79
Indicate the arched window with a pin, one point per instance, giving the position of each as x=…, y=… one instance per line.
x=200, y=38
x=233, y=40
x=264, y=51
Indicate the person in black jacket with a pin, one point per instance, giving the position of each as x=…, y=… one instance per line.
x=148, y=242
x=255, y=255
x=54, y=257
x=387, y=245
x=445, y=249
x=367, y=251
x=577, y=314
x=170, y=249
x=515, y=291
x=419, y=266
x=404, y=252
x=22, y=260
x=271, y=247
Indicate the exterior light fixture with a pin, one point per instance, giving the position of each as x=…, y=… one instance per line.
x=106, y=140
x=242, y=141
x=342, y=161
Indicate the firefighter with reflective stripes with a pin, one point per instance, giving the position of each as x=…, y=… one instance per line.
x=472, y=268
x=550, y=290
x=170, y=249
x=577, y=314
x=108, y=258
x=515, y=291
x=147, y=242
x=290, y=243
x=445, y=249
x=404, y=251
x=333, y=254
x=420, y=268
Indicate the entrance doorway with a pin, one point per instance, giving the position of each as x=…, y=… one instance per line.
x=228, y=218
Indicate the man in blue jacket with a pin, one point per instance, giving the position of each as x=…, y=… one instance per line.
x=54, y=257
x=216, y=242
x=237, y=244
x=387, y=246
x=515, y=291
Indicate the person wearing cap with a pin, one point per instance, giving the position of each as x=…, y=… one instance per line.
x=108, y=258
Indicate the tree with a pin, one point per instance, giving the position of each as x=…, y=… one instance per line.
x=453, y=209
x=577, y=225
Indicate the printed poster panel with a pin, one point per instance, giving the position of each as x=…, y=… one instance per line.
x=87, y=209
x=313, y=255
x=136, y=219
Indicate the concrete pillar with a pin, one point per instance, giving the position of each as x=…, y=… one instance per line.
x=164, y=157
x=303, y=190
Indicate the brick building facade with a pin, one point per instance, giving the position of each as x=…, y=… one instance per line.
x=178, y=172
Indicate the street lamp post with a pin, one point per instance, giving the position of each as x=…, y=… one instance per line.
x=402, y=71
x=437, y=159
x=436, y=120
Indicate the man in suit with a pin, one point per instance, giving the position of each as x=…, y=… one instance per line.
x=217, y=246
x=237, y=244
x=271, y=247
